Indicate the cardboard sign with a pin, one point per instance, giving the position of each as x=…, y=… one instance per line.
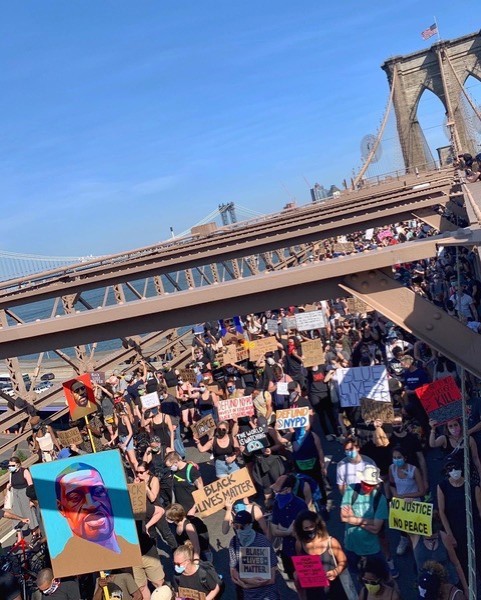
x=75, y=547
x=355, y=305
x=362, y=382
x=312, y=353
x=234, y=408
x=292, y=418
x=310, y=320
x=80, y=396
x=255, y=562
x=373, y=409
x=272, y=326
x=257, y=348
x=188, y=594
x=205, y=426
x=253, y=440
x=97, y=377
x=242, y=354
x=150, y=400
x=213, y=497
x=138, y=499
x=227, y=355
x=310, y=307
x=343, y=247
x=411, y=517
x=310, y=571
x=441, y=399
x=289, y=323
x=69, y=437
x=188, y=375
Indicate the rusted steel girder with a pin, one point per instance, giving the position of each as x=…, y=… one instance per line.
x=297, y=285
x=301, y=226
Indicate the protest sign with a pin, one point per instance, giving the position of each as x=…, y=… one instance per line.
x=233, y=408
x=150, y=400
x=205, y=426
x=411, y=516
x=97, y=377
x=227, y=355
x=310, y=307
x=69, y=437
x=138, y=499
x=310, y=320
x=312, y=353
x=242, y=353
x=373, y=409
x=343, y=247
x=74, y=542
x=255, y=562
x=310, y=571
x=362, y=382
x=198, y=330
x=292, y=418
x=257, y=348
x=188, y=375
x=254, y=439
x=289, y=323
x=212, y=497
x=189, y=594
x=282, y=388
x=441, y=399
x=384, y=234
x=272, y=326
x=355, y=305
x=80, y=396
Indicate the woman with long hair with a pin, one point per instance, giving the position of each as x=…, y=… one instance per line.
x=125, y=434
x=312, y=538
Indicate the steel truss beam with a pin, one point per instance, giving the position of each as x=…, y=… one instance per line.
x=297, y=285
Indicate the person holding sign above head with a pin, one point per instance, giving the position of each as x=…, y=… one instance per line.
x=224, y=448
x=313, y=539
x=259, y=522
x=252, y=561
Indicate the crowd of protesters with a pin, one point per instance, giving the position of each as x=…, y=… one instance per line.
x=296, y=491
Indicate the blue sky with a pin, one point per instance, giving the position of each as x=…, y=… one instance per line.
x=121, y=119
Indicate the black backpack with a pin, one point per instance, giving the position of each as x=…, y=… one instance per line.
x=206, y=571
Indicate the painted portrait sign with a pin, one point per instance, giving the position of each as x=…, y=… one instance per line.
x=80, y=396
x=87, y=513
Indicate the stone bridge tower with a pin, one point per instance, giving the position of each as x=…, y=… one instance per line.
x=443, y=68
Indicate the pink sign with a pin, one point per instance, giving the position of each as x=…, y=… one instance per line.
x=385, y=233
x=234, y=408
x=310, y=571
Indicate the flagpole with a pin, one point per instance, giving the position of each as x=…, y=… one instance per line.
x=437, y=29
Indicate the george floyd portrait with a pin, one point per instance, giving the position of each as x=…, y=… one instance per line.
x=80, y=396
x=87, y=513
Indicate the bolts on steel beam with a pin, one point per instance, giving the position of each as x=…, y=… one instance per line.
x=437, y=316
x=365, y=285
x=429, y=326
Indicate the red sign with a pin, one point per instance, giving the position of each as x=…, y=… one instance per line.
x=438, y=394
x=310, y=571
x=80, y=396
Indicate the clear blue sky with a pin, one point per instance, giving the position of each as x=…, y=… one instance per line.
x=119, y=119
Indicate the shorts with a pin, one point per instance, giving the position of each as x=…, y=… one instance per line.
x=130, y=445
x=223, y=469
x=187, y=404
x=151, y=569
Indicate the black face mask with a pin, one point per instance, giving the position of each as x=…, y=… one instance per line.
x=310, y=535
x=221, y=433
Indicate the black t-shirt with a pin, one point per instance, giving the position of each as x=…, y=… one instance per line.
x=9, y=587
x=67, y=590
x=184, y=485
x=201, y=581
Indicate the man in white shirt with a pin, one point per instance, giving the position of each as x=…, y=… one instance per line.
x=349, y=468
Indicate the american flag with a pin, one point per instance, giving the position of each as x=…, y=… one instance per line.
x=429, y=32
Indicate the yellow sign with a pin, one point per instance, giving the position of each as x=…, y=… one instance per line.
x=411, y=516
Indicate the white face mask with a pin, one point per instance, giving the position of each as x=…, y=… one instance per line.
x=455, y=474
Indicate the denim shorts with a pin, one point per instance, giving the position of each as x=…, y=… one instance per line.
x=130, y=445
x=223, y=469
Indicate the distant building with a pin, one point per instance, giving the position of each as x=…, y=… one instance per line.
x=334, y=191
x=318, y=192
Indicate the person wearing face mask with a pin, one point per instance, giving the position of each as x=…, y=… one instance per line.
x=451, y=506
x=434, y=585
x=376, y=582
x=159, y=425
x=262, y=401
x=364, y=510
x=169, y=405
x=19, y=480
x=57, y=589
x=259, y=522
x=225, y=449
x=453, y=443
x=312, y=538
x=285, y=509
x=258, y=588
x=410, y=446
x=405, y=481
x=186, y=478
x=206, y=400
x=354, y=463
x=195, y=575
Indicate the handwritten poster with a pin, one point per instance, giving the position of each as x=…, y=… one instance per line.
x=441, y=399
x=213, y=497
x=362, y=382
x=292, y=418
x=69, y=437
x=310, y=571
x=373, y=409
x=254, y=439
x=310, y=320
x=138, y=499
x=205, y=426
x=234, y=408
x=150, y=400
x=257, y=348
x=312, y=353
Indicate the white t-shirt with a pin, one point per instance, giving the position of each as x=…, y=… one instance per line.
x=348, y=472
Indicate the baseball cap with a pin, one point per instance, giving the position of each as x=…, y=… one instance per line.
x=242, y=518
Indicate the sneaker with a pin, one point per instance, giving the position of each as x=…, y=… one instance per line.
x=402, y=546
x=392, y=569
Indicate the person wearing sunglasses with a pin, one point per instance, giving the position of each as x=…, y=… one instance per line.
x=57, y=589
x=376, y=580
x=195, y=575
x=224, y=448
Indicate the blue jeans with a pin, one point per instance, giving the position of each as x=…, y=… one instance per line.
x=178, y=443
x=223, y=469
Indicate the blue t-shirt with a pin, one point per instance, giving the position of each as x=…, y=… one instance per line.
x=284, y=518
x=356, y=539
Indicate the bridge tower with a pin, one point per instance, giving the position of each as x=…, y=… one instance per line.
x=227, y=211
x=443, y=69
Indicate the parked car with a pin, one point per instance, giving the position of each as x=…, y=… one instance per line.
x=47, y=377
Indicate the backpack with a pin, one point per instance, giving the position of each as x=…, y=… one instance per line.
x=302, y=479
x=206, y=571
